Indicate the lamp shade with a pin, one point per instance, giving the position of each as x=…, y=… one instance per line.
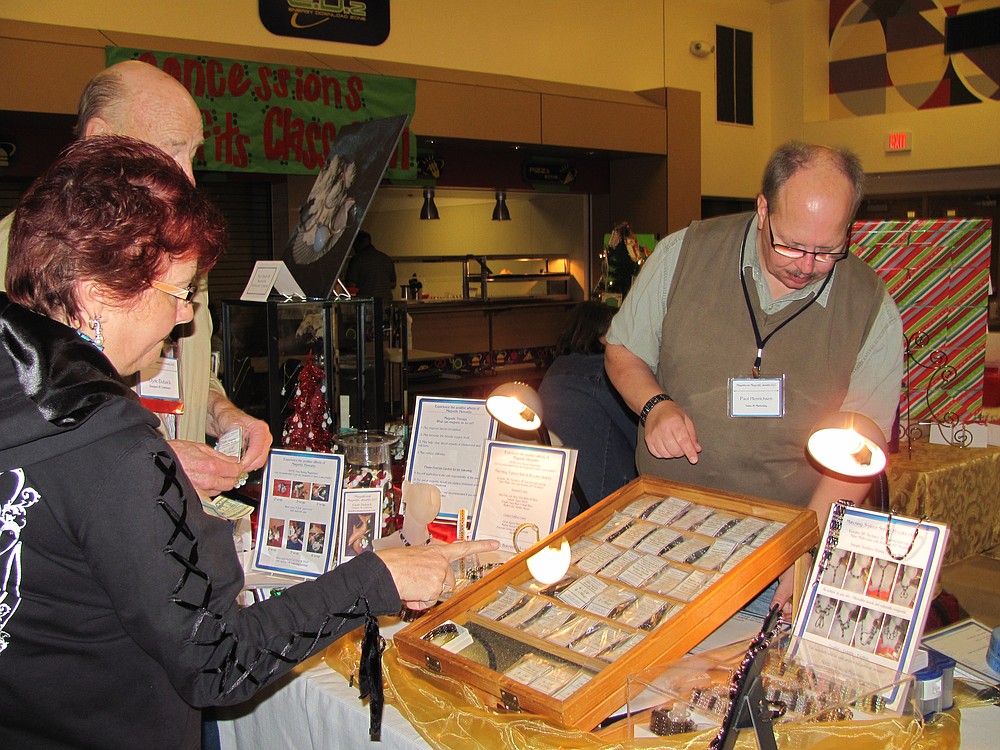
x=429, y=211
x=516, y=405
x=850, y=444
x=500, y=211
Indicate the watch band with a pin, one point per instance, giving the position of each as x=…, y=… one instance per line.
x=648, y=407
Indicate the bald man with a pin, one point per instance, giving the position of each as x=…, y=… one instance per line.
x=771, y=304
x=136, y=99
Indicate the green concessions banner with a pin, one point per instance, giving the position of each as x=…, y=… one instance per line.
x=261, y=117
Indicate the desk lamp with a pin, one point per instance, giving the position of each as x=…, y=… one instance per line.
x=852, y=445
x=519, y=406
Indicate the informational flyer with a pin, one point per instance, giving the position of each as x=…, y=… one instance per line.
x=871, y=587
x=446, y=449
x=522, y=483
x=299, y=513
x=360, y=522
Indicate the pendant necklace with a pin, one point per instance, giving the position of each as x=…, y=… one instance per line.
x=823, y=612
x=844, y=626
x=867, y=638
x=406, y=542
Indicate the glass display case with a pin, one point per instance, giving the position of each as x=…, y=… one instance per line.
x=484, y=278
x=265, y=345
x=801, y=682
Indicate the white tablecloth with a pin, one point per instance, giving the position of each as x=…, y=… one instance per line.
x=313, y=710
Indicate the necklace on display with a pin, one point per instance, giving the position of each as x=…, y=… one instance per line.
x=406, y=542
x=860, y=573
x=823, y=612
x=883, y=566
x=913, y=539
x=844, y=626
x=868, y=636
x=904, y=588
x=841, y=561
x=893, y=635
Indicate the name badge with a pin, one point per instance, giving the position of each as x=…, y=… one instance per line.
x=757, y=397
x=160, y=387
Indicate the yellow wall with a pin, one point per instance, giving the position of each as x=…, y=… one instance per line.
x=629, y=46
x=732, y=156
x=593, y=42
x=943, y=138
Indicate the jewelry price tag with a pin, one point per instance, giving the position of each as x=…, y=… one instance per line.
x=659, y=541
x=616, y=566
x=668, y=511
x=582, y=591
x=642, y=570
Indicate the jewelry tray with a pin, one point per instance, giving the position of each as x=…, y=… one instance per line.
x=565, y=651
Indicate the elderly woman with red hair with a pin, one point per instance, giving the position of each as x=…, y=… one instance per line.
x=118, y=613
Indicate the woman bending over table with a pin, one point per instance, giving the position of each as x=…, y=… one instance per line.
x=118, y=613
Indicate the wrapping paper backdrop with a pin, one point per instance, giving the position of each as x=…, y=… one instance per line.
x=450, y=716
x=937, y=271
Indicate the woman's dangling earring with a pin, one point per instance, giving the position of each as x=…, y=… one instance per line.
x=95, y=324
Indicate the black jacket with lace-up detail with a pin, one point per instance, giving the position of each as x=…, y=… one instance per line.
x=118, y=614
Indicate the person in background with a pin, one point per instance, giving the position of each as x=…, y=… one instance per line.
x=119, y=615
x=371, y=270
x=583, y=408
x=771, y=299
x=138, y=100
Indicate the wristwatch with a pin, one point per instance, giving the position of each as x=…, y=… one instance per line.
x=650, y=404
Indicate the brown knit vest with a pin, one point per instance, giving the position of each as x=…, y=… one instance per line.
x=708, y=338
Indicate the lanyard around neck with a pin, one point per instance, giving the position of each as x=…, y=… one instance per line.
x=762, y=342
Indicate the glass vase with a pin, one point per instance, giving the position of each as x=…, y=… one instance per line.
x=368, y=465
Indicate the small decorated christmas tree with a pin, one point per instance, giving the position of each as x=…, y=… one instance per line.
x=306, y=429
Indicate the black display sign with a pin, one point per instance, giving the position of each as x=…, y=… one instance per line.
x=350, y=21
x=550, y=171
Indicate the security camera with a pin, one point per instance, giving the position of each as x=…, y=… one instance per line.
x=702, y=49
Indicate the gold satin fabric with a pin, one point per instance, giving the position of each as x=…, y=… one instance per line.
x=950, y=485
x=451, y=716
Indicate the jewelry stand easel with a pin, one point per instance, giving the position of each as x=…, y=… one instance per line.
x=749, y=706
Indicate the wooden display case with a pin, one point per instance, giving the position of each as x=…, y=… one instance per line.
x=578, y=666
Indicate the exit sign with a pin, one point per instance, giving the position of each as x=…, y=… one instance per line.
x=900, y=141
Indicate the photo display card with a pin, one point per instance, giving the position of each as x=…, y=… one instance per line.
x=446, y=449
x=522, y=483
x=871, y=587
x=360, y=523
x=299, y=513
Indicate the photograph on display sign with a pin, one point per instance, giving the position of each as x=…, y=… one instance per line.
x=360, y=522
x=299, y=513
x=871, y=587
x=329, y=220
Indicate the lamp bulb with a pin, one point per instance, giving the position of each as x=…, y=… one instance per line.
x=550, y=563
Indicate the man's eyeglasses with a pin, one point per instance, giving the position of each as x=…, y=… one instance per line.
x=794, y=252
x=183, y=293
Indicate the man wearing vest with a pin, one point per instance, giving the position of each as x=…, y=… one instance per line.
x=770, y=304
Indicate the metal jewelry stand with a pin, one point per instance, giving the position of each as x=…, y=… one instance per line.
x=748, y=704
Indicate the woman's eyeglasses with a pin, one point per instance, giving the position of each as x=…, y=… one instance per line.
x=794, y=252
x=183, y=293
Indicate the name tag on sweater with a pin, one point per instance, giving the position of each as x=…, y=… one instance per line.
x=757, y=397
